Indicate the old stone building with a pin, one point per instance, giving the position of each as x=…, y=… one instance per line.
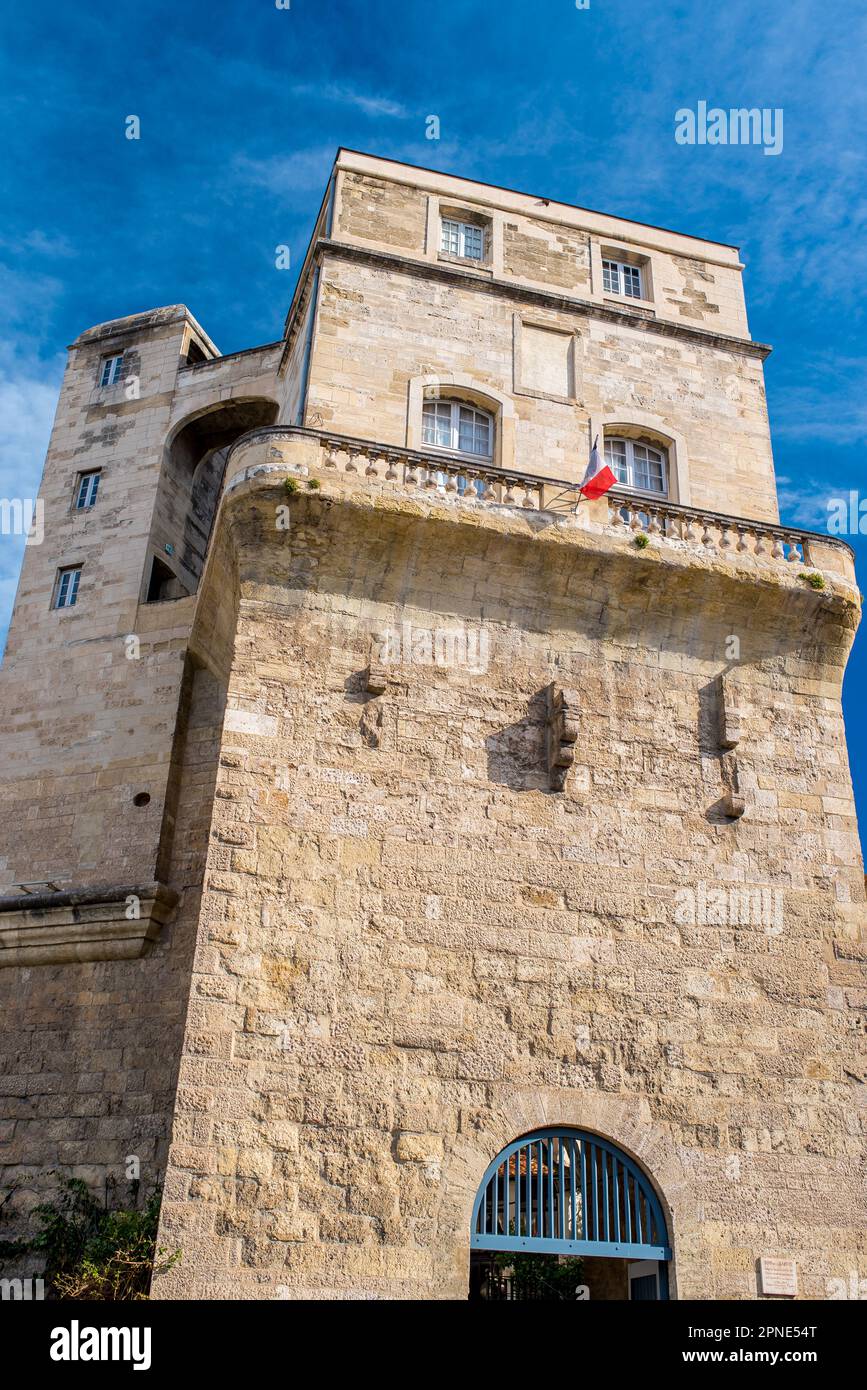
x=408, y=863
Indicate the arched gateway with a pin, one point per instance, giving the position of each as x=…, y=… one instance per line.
x=561, y=1191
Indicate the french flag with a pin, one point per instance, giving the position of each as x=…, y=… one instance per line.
x=599, y=477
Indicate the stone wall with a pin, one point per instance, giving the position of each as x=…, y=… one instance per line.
x=89, y=1052
x=411, y=950
x=379, y=329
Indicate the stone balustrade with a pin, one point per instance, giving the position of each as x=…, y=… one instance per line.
x=710, y=530
x=483, y=484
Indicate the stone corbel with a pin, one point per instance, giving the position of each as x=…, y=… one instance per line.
x=731, y=718
x=731, y=713
x=562, y=733
x=379, y=674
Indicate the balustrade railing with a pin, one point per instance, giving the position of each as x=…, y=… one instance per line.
x=479, y=482
x=708, y=530
x=473, y=481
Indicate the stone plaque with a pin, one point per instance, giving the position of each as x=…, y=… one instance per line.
x=778, y=1276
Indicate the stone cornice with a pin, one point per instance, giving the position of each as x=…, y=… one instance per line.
x=526, y=294
x=104, y=922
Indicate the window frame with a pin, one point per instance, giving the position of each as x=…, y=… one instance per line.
x=630, y=485
x=456, y=405
x=462, y=229
x=621, y=267
x=110, y=370
x=62, y=598
x=90, y=474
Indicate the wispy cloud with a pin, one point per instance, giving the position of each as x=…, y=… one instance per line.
x=343, y=95
x=303, y=171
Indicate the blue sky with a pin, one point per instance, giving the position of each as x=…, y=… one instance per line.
x=242, y=106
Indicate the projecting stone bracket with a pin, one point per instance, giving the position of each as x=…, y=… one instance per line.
x=734, y=805
x=731, y=714
x=376, y=679
x=731, y=720
x=109, y=922
x=561, y=733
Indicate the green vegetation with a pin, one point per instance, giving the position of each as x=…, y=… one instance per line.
x=94, y=1252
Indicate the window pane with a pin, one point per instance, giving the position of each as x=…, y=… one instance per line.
x=610, y=278
x=436, y=423
x=450, y=240
x=67, y=589
x=615, y=457
x=473, y=242
x=87, y=489
x=474, y=432
x=632, y=281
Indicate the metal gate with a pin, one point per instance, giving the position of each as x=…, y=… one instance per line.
x=564, y=1192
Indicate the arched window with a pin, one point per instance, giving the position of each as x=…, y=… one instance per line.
x=637, y=464
x=458, y=427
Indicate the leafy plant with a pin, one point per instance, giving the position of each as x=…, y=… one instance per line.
x=642, y=540
x=290, y=485
x=95, y=1252
x=815, y=581
x=542, y=1276
x=313, y=484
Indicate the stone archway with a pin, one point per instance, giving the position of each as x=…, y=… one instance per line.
x=626, y=1123
x=194, y=462
x=558, y=1207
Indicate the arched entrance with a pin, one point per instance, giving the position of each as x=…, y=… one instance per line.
x=565, y=1193
x=194, y=460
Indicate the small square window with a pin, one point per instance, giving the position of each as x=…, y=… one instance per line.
x=110, y=373
x=88, y=486
x=618, y=277
x=462, y=239
x=67, y=587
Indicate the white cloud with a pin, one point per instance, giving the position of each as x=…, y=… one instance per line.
x=28, y=398
x=349, y=96
x=805, y=503
x=300, y=172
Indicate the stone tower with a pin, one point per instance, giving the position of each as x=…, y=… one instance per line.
x=384, y=831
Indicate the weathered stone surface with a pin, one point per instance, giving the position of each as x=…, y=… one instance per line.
x=395, y=947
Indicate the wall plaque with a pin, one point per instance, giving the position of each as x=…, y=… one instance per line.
x=778, y=1276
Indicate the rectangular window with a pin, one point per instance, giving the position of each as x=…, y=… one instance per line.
x=462, y=239
x=67, y=587
x=88, y=486
x=110, y=373
x=620, y=278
